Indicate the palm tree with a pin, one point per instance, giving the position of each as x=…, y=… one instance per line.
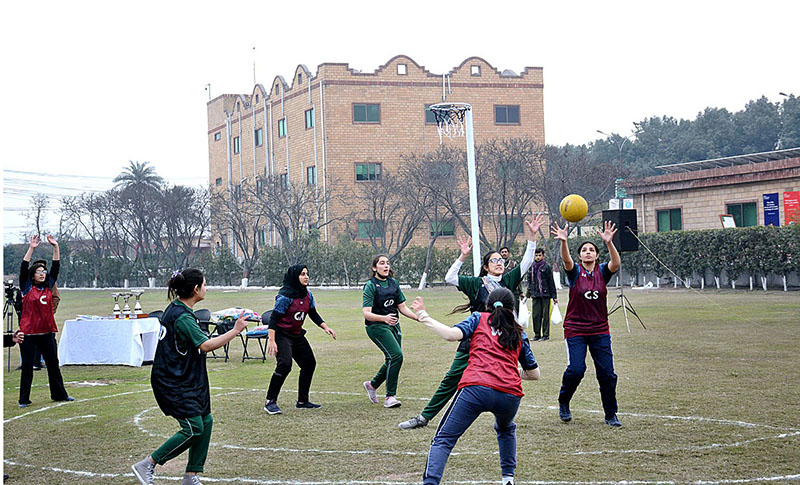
x=138, y=175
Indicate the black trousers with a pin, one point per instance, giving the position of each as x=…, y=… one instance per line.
x=292, y=347
x=46, y=344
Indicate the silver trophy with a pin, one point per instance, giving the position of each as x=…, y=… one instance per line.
x=126, y=310
x=116, y=304
x=137, y=308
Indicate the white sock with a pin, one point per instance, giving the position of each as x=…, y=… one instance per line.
x=507, y=480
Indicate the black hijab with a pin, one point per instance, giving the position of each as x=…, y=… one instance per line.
x=291, y=283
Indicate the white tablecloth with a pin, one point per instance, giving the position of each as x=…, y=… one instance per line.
x=116, y=342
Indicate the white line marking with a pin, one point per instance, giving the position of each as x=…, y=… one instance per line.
x=78, y=417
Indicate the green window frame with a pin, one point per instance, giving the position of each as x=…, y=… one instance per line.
x=218, y=181
x=366, y=113
x=237, y=146
x=258, y=136
x=506, y=114
x=443, y=228
x=430, y=118
x=282, y=128
x=284, y=181
x=311, y=175
x=217, y=136
x=745, y=214
x=309, y=118
x=368, y=172
x=509, y=224
x=669, y=220
x=260, y=187
x=367, y=227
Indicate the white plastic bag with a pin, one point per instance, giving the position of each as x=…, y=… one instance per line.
x=524, y=313
x=555, y=316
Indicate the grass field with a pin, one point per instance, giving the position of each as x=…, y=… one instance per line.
x=709, y=393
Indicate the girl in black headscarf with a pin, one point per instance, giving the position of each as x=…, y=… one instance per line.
x=287, y=339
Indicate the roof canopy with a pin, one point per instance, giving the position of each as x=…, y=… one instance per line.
x=731, y=161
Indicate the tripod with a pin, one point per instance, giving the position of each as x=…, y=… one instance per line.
x=8, y=316
x=623, y=302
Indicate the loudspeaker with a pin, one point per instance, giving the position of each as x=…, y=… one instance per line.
x=625, y=220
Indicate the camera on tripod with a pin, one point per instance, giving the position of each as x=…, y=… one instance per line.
x=13, y=299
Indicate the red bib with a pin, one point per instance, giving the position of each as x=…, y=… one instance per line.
x=491, y=364
x=37, y=312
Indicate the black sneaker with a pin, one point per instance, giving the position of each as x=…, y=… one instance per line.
x=272, y=407
x=307, y=405
x=563, y=412
x=613, y=421
x=544, y=338
x=534, y=339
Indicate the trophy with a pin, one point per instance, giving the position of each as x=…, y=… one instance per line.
x=126, y=310
x=137, y=308
x=116, y=304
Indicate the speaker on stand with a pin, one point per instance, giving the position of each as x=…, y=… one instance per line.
x=625, y=240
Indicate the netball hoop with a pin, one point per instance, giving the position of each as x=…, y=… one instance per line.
x=454, y=120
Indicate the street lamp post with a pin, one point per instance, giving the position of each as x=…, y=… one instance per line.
x=615, y=138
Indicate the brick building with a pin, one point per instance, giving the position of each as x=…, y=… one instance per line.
x=756, y=189
x=342, y=126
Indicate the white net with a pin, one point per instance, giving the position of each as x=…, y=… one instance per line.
x=449, y=119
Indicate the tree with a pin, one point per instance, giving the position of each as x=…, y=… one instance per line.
x=36, y=215
x=186, y=219
x=138, y=176
x=387, y=211
x=239, y=211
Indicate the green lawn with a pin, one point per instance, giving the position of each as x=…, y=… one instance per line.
x=709, y=392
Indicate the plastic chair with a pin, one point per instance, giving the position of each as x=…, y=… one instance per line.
x=156, y=314
x=204, y=320
x=261, y=336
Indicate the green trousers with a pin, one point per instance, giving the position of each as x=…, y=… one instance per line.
x=447, y=387
x=388, y=338
x=541, y=317
x=195, y=434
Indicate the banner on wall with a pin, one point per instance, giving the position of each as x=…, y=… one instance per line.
x=791, y=207
x=772, y=210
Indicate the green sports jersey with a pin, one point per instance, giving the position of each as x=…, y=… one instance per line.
x=369, y=292
x=188, y=334
x=471, y=285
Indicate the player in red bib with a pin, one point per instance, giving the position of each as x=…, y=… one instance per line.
x=586, y=321
x=490, y=383
x=38, y=323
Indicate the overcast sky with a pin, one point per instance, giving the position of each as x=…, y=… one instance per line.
x=88, y=86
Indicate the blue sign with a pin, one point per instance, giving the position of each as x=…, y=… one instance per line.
x=772, y=210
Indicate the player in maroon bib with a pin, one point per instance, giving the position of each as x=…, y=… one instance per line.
x=586, y=322
x=38, y=323
x=490, y=383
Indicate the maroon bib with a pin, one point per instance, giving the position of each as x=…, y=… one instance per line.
x=292, y=320
x=587, y=311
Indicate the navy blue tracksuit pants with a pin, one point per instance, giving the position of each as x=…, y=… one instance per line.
x=600, y=348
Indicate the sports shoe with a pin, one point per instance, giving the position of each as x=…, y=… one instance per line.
x=391, y=402
x=563, y=412
x=307, y=405
x=24, y=404
x=534, y=339
x=543, y=339
x=613, y=421
x=143, y=471
x=272, y=407
x=191, y=479
x=414, y=423
x=68, y=399
x=372, y=393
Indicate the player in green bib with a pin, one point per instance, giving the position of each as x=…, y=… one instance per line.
x=383, y=301
x=477, y=289
x=180, y=380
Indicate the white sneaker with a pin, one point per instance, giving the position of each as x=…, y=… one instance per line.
x=372, y=393
x=414, y=423
x=391, y=402
x=143, y=471
x=191, y=479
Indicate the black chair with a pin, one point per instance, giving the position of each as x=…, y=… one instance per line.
x=156, y=314
x=260, y=335
x=204, y=320
x=222, y=328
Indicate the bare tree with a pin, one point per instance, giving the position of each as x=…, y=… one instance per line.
x=295, y=212
x=388, y=212
x=239, y=211
x=36, y=215
x=186, y=220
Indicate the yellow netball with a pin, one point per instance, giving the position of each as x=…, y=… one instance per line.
x=573, y=208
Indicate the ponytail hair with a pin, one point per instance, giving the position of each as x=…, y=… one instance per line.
x=183, y=283
x=501, y=306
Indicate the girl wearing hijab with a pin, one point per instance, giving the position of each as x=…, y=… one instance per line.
x=287, y=339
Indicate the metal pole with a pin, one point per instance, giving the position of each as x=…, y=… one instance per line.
x=473, y=194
